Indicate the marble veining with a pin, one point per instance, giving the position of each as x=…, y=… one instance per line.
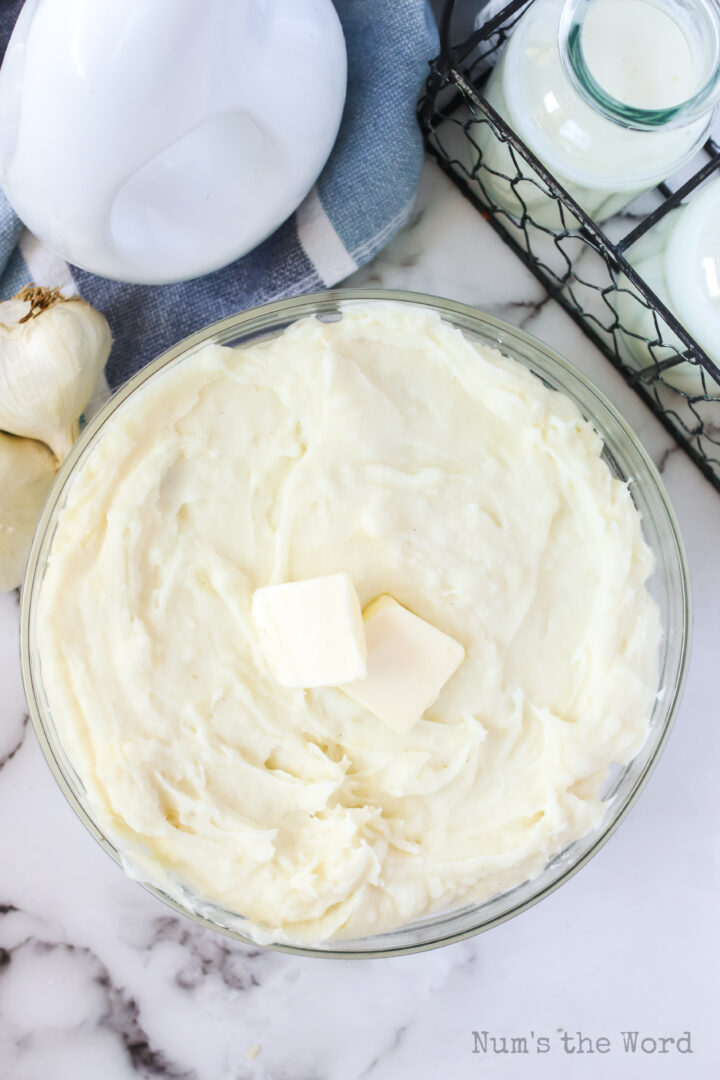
x=7, y=757
x=74, y=990
x=662, y=459
x=100, y=980
x=206, y=955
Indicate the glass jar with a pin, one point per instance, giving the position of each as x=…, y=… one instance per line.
x=680, y=260
x=612, y=96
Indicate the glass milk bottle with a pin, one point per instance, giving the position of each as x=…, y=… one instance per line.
x=680, y=260
x=612, y=96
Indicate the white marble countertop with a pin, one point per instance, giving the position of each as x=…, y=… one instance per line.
x=99, y=980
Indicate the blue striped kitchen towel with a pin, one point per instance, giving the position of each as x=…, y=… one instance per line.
x=361, y=199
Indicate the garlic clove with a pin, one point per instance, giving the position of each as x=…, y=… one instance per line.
x=13, y=312
x=52, y=351
x=27, y=470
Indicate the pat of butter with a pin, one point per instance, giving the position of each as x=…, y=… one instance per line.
x=409, y=661
x=311, y=632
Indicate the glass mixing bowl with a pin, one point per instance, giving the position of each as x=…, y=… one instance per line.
x=626, y=459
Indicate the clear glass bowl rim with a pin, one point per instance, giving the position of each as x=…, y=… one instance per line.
x=272, y=318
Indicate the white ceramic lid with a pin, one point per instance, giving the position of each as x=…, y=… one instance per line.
x=156, y=141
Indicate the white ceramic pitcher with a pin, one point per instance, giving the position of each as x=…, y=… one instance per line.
x=157, y=140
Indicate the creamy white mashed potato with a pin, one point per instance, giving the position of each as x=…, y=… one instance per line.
x=387, y=446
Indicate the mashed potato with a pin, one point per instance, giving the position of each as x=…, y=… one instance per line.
x=387, y=446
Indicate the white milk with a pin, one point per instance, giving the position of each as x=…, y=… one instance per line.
x=680, y=260
x=155, y=140
x=641, y=57
x=638, y=54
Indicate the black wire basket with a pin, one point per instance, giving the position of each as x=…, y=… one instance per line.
x=584, y=267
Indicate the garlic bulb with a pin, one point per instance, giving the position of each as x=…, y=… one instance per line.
x=27, y=469
x=52, y=350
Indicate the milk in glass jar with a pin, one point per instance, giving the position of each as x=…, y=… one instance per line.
x=680, y=260
x=612, y=96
